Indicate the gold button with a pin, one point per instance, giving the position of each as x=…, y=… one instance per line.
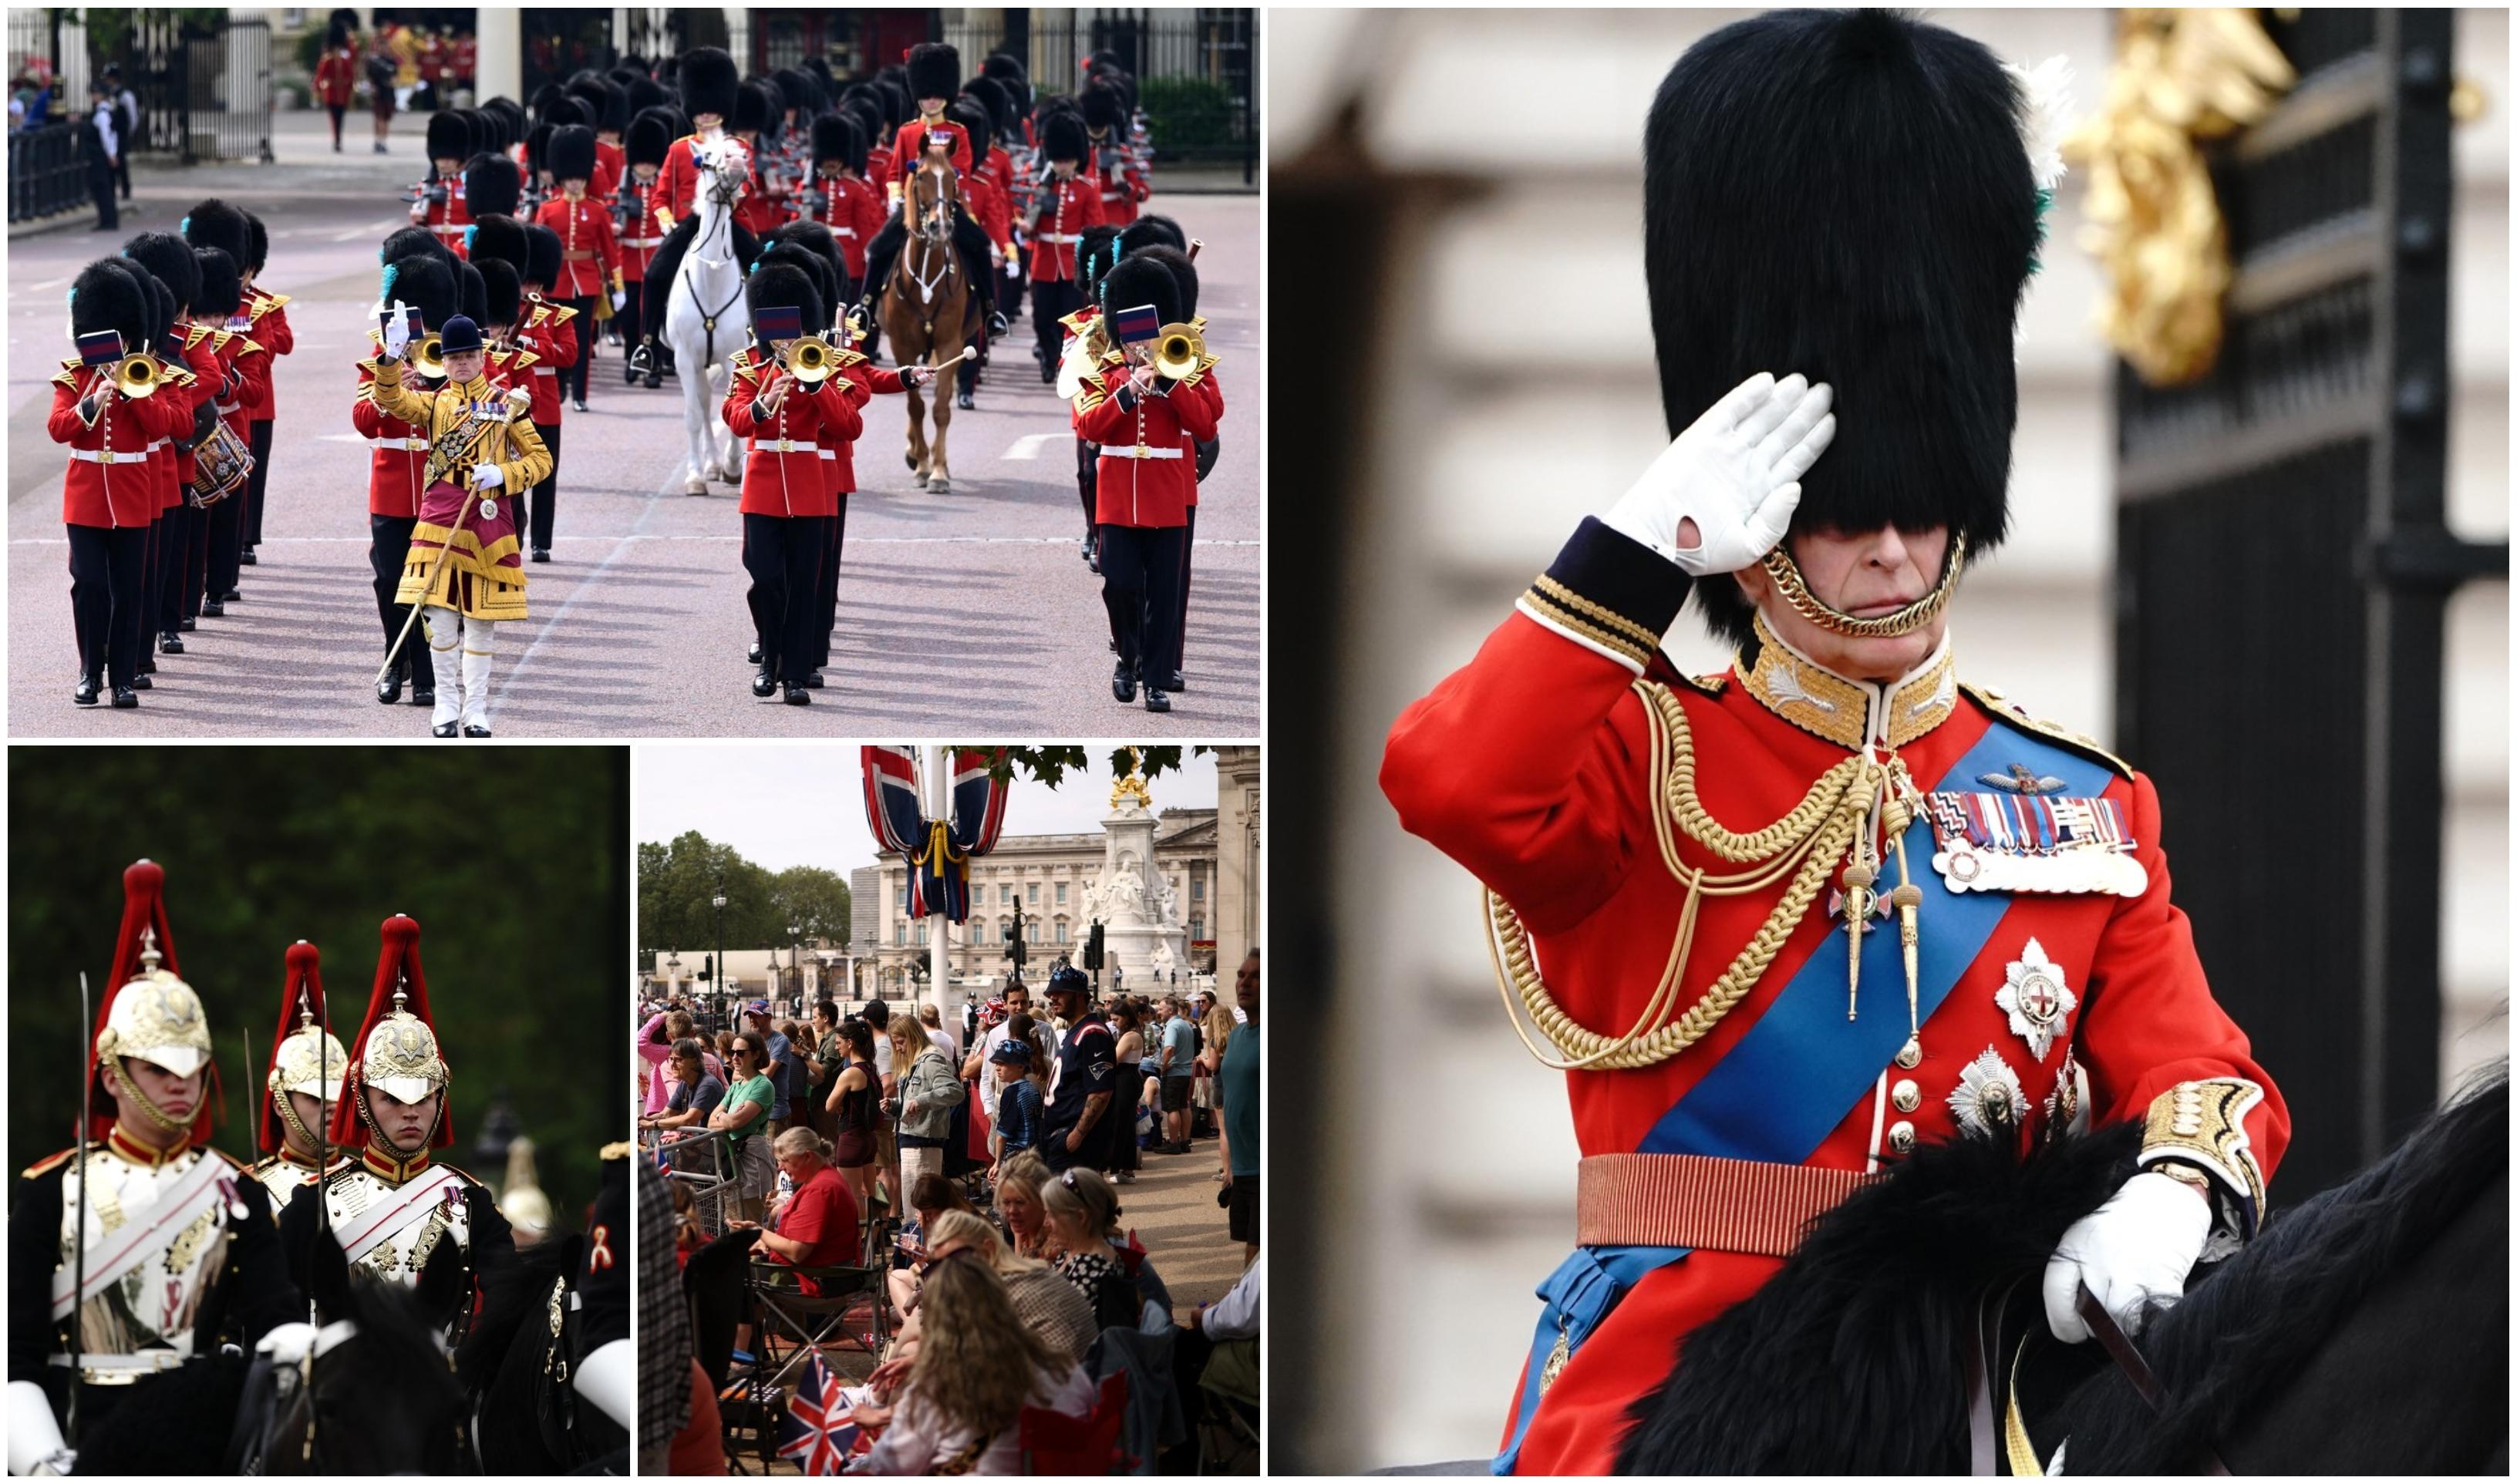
x=1905, y=1095
x=1901, y=1136
x=1911, y=1055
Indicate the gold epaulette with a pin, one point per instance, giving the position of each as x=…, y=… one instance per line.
x=368, y=365
x=560, y=314
x=193, y=334
x=744, y=366
x=251, y=345
x=69, y=376
x=46, y=1166
x=844, y=358
x=523, y=359
x=1204, y=364
x=1079, y=319
x=266, y=303
x=1090, y=393
x=1114, y=357
x=2067, y=739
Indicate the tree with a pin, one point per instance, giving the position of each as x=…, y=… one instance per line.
x=813, y=900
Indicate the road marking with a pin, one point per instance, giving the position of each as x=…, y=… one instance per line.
x=585, y=585
x=37, y=288
x=356, y=232
x=1029, y=444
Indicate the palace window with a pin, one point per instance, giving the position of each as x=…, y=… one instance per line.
x=1061, y=896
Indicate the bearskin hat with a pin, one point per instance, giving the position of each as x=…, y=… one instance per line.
x=475, y=293
x=1152, y=231
x=644, y=93
x=406, y=240
x=499, y=236
x=106, y=296
x=786, y=286
x=1103, y=106
x=492, y=186
x=1140, y=280
x=1061, y=138
x=650, y=138
x=257, y=244
x=973, y=120
x=170, y=258
x=537, y=146
x=789, y=252
x=506, y=122
x=798, y=89
x=595, y=100
x=820, y=247
x=503, y=290
x=1007, y=71
x=1184, y=272
x=572, y=153
x=544, y=95
x=833, y=133
x=216, y=223
x=991, y=96
x=1787, y=161
x=707, y=79
x=542, y=269
x=755, y=110
x=426, y=283
x=338, y=31
x=449, y=138
x=1094, y=252
x=867, y=114
x=222, y=291
x=897, y=104
x=162, y=304
x=934, y=70
x=564, y=112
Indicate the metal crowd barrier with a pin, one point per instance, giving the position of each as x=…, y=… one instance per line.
x=47, y=174
x=703, y=1163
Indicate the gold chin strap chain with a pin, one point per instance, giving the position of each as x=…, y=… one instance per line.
x=1848, y=803
x=158, y=1115
x=1786, y=575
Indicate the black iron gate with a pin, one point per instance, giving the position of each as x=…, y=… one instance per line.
x=1196, y=69
x=203, y=81
x=2284, y=568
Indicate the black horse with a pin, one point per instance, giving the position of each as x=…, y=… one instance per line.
x=519, y=1362
x=382, y=1400
x=2364, y=1332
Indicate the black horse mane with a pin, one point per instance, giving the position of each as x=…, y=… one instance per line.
x=2237, y=1338
x=513, y=1293
x=1849, y=1359
x=396, y=1353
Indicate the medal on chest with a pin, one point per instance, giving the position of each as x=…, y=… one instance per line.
x=2021, y=837
x=2036, y=998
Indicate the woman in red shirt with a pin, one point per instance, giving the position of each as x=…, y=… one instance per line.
x=817, y=1225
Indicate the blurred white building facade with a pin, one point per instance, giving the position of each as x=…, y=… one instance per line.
x=1519, y=395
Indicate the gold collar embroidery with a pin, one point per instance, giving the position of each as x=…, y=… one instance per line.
x=141, y=1155
x=1818, y=701
x=396, y=1170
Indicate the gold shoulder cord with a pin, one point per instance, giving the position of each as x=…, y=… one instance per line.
x=1805, y=842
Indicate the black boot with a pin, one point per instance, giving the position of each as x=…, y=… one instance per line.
x=764, y=685
x=1123, y=682
x=797, y=696
x=963, y=401
x=444, y=729
x=1175, y=682
x=170, y=643
x=389, y=689
x=88, y=687
x=753, y=657
x=142, y=682
x=248, y=557
x=470, y=729
x=812, y=682
x=125, y=698
x=1156, y=700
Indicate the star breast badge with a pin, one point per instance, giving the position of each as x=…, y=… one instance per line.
x=2036, y=998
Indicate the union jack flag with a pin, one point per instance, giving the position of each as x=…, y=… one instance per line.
x=817, y=1433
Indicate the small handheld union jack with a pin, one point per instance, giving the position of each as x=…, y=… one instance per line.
x=817, y=1433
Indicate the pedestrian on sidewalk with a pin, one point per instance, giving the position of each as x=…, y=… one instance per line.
x=100, y=141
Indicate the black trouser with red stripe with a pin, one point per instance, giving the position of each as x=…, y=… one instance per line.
x=388, y=545
x=261, y=441
x=826, y=615
x=109, y=598
x=542, y=502
x=1140, y=573
x=572, y=378
x=226, y=543
x=197, y=557
x=784, y=554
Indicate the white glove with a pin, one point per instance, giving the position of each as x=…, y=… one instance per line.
x=397, y=337
x=1735, y=472
x=2133, y=1252
x=487, y=477
x=620, y=298
x=287, y=1344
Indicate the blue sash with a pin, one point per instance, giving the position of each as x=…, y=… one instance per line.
x=1789, y=1081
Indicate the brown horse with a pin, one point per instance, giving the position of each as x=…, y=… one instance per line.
x=925, y=309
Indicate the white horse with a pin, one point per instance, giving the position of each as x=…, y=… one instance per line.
x=706, y=322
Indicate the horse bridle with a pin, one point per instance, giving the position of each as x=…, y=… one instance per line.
x=1988, y=1437
x=932, y=230
x=723, y=186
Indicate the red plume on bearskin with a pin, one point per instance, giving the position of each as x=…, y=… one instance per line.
x=143, y=908
x=303, y=986
x=397, y=958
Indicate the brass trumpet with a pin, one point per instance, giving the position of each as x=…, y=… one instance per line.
x=809, y=360
x=429, y=356
x=138, y=375
x=1177, y=350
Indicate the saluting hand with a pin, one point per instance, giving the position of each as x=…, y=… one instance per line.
x=1722, y=494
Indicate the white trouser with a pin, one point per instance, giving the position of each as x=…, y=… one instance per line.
x=34, y=1434
x=461, y=651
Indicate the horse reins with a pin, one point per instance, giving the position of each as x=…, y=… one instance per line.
x=707, y=317
x=2007, y=1438
x=2128, y=1359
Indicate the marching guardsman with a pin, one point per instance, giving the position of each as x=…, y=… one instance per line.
x=997, y=167
x=1904, y=911
x=761, y=208
x=1148, y=425
x=550, y=331
x=506, y=365
x=1184, y=274
x=167, y=270
x=838, y=468
x=306, y=1070
x=984, y=205
x=172, y=262
x=166, y=345
x=841, y=198
x=438, y=202
x=708, y=83
x=210, y=543
x=1079, y=357
x=786, y=504
x=267, y=315
x=215, y=223
x=111, y=407
x=396, y=1215
x=144, y=1253
x=1112, y=166
x=399, y=456
x=650, y=136
x=589, y=259
x=462, y=567
x=1063, y=208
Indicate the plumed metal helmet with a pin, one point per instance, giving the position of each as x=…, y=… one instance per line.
x=475, y=294
x=1104, y=107
x=397, y=1047
x=502, y=238
x=646, y=93
x=305, y=1056
x=974, y=121
x=755, y=110
x=503, y=290
x=149, y=1013
x=793, y=252
x=991, y=95
x=170, y=258
x=572, y=153
x=1061, y=137
x=650, y=138
x=216, y=223
x=492, y=186
x=222, y=291
x=541, y=270
x=708, y=82
x=107, y=295
x=1140, y=280
x=449, y=138
x=404, y=242
x=832, y=134
x=1154, y=231
x=1873, y=164
x=1184, y=272
x=934, y=70
x=257, y=244
x=426, y=283
x=785, y=285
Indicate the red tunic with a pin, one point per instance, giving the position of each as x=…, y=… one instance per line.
x=334, y=76
x=757, y=210
x=638, y=249
x=782, y=470
x=609, y=166
x=909, y=144
x=987, y=206
x=112, y=480
x=838, y=455
x=1066, y=207
x=449, y=219
x=251, y=360
x=210, y=379
x=1530, y=766
x=546, y=333
x=1147, y=472
x=1123, y=187
x=399, y=450
x=270, y=328
x=589, y=251
x=677, y=184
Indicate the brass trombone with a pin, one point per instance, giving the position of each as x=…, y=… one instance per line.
x=1177, y=351
x=810, y=360
x=138, y=375
x=429, y=356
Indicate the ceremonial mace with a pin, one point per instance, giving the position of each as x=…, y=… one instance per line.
x=79, y=1261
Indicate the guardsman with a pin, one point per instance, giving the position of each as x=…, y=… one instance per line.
x=589, y=258
x=840, y=199
x=267, y=323
x=1184, y=274
x=548, y=330
x=985, y=205
x=1148, y=426
x=708, y=84
x=1903, y=910
x=1063, y=207
x=171, y=261
x=397, y=455
x=245, y=368
x=438, y=202
x=143, y=1264
x=996, y=168
x=462, y=567
x=650, y=135
x=215, y=223
x=787, y=502
x=167, y=347
x=1111, y=164
x=607, y=115
x=761, y=208
x=304, y=1081
x=494, y=186
x=507, y=364
x=114, y=427
x=396, y=1215
x=1080, y=355
x=934, y=80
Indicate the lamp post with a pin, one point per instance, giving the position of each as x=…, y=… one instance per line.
x=719, y=903
x=794, y=964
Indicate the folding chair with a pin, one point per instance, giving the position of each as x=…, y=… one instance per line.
x=848, y=1313
x=1057, y=1444
x=1227, y=1410
x=705, y=1166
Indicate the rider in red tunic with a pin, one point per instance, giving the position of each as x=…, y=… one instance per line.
x=1782, y=924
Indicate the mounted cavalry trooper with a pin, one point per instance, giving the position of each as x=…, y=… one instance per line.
x=934, y=81
x=1783, y=923
x=159, y=1244
x=398, y=1217
x=307, y=1069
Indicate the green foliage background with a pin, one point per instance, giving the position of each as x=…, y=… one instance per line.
x=677, y=885
x=514, y=861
